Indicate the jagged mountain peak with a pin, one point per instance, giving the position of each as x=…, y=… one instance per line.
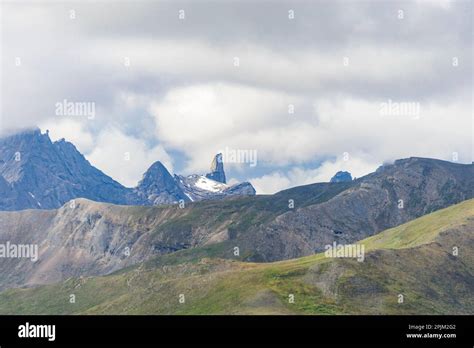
x=159, y=187
x=40, y=174
x=157, y=169
x=46, y=174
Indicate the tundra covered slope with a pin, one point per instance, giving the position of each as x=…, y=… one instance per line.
x=415, y=260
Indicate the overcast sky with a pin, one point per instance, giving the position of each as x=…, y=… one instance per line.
x=168, y=88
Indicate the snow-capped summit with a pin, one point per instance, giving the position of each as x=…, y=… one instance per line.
x=207, y=184
x=199, y=187
x=159, y=187
x=212, y=185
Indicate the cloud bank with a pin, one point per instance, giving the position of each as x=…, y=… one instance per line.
x=303, y=84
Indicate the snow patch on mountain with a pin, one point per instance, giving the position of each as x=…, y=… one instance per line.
x=210, y=185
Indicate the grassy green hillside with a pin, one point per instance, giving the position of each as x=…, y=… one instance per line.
x=414, y=260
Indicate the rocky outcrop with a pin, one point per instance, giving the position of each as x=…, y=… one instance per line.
x=341, y=177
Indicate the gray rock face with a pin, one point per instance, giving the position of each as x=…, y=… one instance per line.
x=36, y=173
x=217, y=169
x=341, y=177
x=44, y=175
x=87, y=238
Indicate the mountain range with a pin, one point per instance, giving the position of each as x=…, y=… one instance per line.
x=130, y=250
x=36, y=173
x=93, y=238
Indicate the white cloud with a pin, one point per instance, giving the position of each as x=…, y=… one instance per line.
x=358, y=127
x=305, y=70
x=203, y=119
x=201, y=103
x=200, y=120
x=444, y=4
x=125, y=158
x=271, y=183
x=71, y=130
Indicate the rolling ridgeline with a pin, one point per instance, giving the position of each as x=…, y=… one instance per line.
x=137, y=259
x=414, y=259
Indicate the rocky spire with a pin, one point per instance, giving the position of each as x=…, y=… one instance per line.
x=217, y=169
